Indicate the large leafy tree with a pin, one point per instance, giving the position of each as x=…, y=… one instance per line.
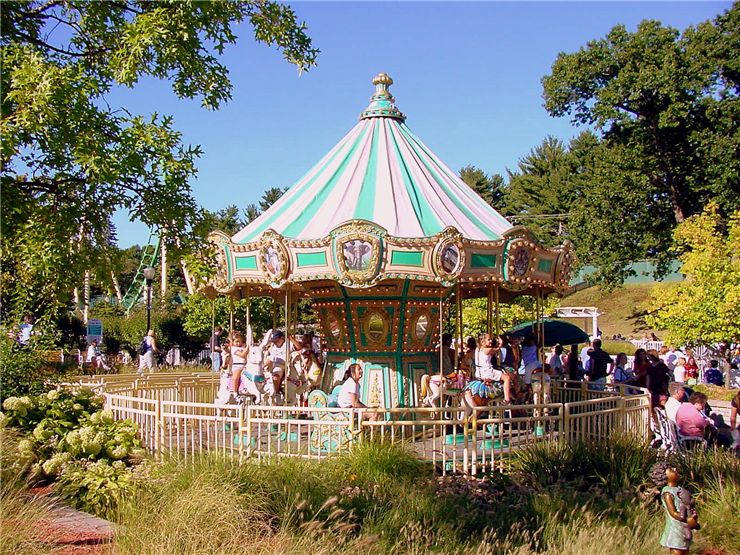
x=705, y=307
x=69, y=159
x=666, y=106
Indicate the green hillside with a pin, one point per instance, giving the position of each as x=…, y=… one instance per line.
x=623, y=309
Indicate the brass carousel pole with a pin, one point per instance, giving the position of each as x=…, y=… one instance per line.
x=287, y=323
x=441, y=317
x=489, y=309
x=498, y=312
x=459, y=330
x=248, y=315
x=231, y=315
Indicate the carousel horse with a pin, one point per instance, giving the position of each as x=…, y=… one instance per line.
x=253, y=381
x=480, y=393
x=434, y=386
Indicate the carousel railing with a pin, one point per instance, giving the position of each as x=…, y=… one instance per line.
x=175, y=414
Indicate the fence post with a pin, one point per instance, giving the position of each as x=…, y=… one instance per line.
x=240, y=415
x=566, y=422
x=158, y=427
x=622, y=415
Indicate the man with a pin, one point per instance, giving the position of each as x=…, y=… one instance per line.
x=296, y=381
x=677, y=395
x=601, y=364
x=216, y=349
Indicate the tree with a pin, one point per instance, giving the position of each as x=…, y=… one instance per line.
x=666, y=105
x=705, y=307
x=270, y=197
x=541, y=192
x=69, y=160
x=489, y=187
x=521, y=309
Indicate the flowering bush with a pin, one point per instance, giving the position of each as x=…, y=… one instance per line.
x=69, y=438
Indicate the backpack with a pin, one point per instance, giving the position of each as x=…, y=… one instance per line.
x=144, y=347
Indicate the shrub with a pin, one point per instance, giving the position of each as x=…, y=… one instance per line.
x=24, y=370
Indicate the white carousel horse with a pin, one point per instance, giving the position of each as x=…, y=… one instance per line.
x=253, y=380
x=434, y=386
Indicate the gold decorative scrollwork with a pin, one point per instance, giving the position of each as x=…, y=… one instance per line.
x=358, y=248
x=448, y=258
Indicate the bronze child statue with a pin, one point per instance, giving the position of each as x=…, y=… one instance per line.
x=681, y=515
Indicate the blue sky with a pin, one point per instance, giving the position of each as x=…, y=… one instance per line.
x=467, y=76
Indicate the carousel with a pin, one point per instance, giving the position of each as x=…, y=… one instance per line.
x=387, y=241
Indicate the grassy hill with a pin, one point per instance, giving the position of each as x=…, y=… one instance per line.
x=623, y=309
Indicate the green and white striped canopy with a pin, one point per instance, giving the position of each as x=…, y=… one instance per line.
x=380, y=172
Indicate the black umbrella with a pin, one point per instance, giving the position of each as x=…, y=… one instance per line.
x=555, y=331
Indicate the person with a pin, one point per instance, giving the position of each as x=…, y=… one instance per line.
x=671, y=357
x=601, y=364
x=467, y=362
x=484, y=386
x=640, y=367
x=506, y=354
x=530, y=358
x=556, y=361
x=146, y=359
x=216, y=349
x=584, y=353
x=349, y=393
x=91, y=352
x=447, y=354
x=296, y=380
x=676, y=396
x=226, y=391
x=238, y=353
x=657, y=378
x=277, y=355
x=572, y=363
x=621, y=373
x=734, y=428
x=713, y=375
x=692, y=371
x=25, y=330
x=679, y=370
x=690, y=418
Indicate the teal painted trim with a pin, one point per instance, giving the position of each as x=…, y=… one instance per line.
x=246, y=262
x=452, y=195
x=365, y=208
x=478, y=260
x=311, y=259
x=295, y=196
x=544, y=266
x=229, y=269
x=407, y=258
x=311, y=210
x=424, y=214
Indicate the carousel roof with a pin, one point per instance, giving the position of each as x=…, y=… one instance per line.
x=379, y=172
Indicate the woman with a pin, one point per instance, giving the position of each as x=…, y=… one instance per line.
x=572, y=363
x=349, y=394
x=679, y=371
x=692, y=371
x=640, y=367
x=148, y=348
x=658, y=377
x=621, y=373
x=556, y=361
x=734, y=407
x=467, y=362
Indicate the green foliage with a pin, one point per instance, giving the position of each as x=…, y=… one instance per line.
x=624, y=465
x=521, y=309
x=489, y=187
x=198, y=314
x=70, y=160
x=24, y=370
x=540, y=192
x=67, y=437
x=705, y=308
x=666, y=104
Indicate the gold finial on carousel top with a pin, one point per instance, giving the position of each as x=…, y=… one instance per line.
x=382, y=79
x=382, y=103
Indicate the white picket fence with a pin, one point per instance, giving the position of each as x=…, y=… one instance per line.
x=176, y=415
